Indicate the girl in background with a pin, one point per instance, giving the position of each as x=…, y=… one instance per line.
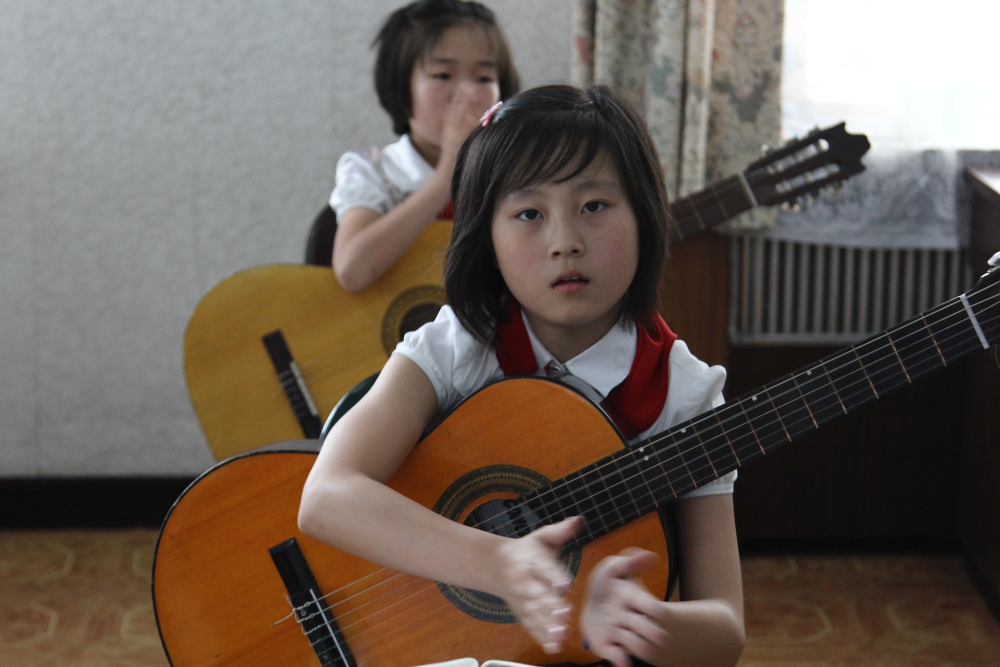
x=553, y=269
x=440, y=65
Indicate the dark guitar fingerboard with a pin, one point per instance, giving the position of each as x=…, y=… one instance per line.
x=636, y=480
x=709, y=207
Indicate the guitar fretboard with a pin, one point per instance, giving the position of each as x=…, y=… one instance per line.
x=620, y=488
x=709, y=207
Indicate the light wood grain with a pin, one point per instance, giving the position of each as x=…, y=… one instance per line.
x=334, y=336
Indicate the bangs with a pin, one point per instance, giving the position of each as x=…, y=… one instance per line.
x=559, y=145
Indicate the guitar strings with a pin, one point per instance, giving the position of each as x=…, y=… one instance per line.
x=946, y=340
x=801, y=410
x=701, y=421
x=443, y=602
x=794, y=391
x=778, y=396
x=715, y=449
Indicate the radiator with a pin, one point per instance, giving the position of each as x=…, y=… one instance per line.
x=787, y=293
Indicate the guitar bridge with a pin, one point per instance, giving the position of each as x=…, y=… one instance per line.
x=311, y=610
x=293, y=384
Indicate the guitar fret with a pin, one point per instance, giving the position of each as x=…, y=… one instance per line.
x=603, y=499
x=635, y=452
x=625, y=483
x=933, y=340
x=768, y=429
x=719, y=200
x=848, y=378
x=836, y=393
x=819, y=394
x=916, y=349
x=753, y=431
x=726, y=434
x=777, y=413
x=805, y=402
x=864, y=370
x=659, y=463
x=697, y=217
x=950, y=323
x=882, y=367
x=588, y=509
x=681, y=455
x=702, y=443
x=539, y=502
x=898, y=358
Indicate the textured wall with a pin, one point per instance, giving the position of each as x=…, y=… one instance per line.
x=147, y=150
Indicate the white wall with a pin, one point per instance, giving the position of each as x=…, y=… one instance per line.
x=147, y=150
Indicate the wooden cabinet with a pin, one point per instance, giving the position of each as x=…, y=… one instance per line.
x=979, y=471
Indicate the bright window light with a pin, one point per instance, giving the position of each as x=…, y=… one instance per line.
x=908, y=73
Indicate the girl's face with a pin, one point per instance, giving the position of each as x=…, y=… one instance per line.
x=462, y=55
x=568, y=252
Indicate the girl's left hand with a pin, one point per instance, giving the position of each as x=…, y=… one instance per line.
x=620, y=616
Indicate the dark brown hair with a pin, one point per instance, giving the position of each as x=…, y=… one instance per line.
x=543, y=134
x=411, y=31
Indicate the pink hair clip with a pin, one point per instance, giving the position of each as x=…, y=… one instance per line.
x=492, y=111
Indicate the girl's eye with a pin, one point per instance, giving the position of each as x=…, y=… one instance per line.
x=594, y=206
x=530, y=214
x=485, y=79
x=442, y=76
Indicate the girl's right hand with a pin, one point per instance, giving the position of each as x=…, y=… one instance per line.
x=461, y=116
x=533, y=582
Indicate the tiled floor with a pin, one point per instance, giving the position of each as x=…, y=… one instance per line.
x=83, y=598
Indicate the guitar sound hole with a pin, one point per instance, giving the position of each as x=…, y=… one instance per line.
x=492, y=492
x=416, y=317
x=409, y=311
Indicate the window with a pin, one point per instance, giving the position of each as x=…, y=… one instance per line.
x=908, y=73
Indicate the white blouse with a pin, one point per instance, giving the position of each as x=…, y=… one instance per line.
x=459, y=365
x=379, y=179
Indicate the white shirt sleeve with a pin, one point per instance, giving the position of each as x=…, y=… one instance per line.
x=456, y=363
x=359, y=185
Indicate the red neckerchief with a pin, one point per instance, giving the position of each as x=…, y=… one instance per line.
x=448, y=212
x=636, y=403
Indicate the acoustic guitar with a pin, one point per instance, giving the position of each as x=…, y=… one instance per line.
x=236, y=583
x=269, y=351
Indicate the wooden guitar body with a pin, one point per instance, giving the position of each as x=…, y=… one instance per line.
x=218, y=594
x=336, y=338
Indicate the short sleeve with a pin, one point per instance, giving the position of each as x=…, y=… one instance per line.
x=358, y=185
x=456, y=363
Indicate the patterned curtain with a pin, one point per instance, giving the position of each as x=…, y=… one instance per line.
x=707, y=74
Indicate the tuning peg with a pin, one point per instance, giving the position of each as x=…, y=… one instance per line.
x=994, y=261
x=838, y=186
x=792, y=206
x=766, y=149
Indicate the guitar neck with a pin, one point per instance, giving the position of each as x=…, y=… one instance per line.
x=707, y=208
x=639, y=479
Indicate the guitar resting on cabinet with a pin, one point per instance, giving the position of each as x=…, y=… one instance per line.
x=230, y=556
x=339, y=338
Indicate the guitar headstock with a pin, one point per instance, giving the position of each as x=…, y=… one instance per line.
x=805, y=166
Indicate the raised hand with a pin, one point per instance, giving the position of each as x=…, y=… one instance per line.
x=461, y=116
x=533, y=582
